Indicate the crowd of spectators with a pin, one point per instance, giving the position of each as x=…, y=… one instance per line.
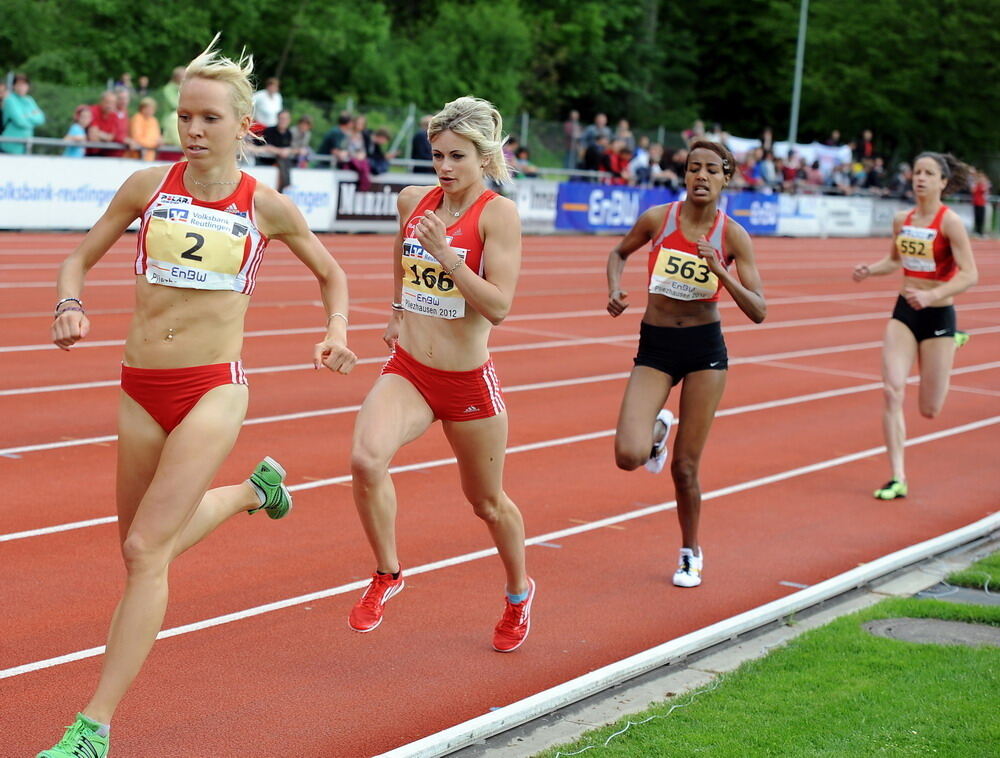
x=621, y=157
x=854, y=168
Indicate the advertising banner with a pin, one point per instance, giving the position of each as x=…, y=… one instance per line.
x=754, y=211
x=604, y=208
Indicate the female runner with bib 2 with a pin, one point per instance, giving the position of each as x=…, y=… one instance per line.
x=931, y=245
x=680, y=338
x=456, y=262
x=204, y=228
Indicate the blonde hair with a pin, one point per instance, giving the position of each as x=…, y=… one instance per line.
x=479, y=122
x=212, y=65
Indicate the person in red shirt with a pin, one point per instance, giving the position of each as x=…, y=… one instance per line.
x=932, y=247
x=680, y=338
x=456, y=262
x=980, y=191
x=107, y=125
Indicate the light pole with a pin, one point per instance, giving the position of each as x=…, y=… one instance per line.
x=800, y=54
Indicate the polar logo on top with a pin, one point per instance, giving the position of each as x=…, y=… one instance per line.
x=168, y=198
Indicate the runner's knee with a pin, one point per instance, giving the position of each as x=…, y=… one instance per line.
x=488, y=507
x=684, y=471
x=629, y=458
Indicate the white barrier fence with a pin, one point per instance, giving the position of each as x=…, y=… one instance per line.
x=39, y=192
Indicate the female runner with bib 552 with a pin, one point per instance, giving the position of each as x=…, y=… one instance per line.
x=680, y=337
x=204, y=227
x=455, y=262
x=932, y=246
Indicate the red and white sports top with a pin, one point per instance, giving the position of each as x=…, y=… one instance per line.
x=925, y=250
x=675, y=268
x=427, y=289
x=197, y=244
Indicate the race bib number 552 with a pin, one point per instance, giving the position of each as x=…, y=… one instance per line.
x=682, y=276
x=916, y=248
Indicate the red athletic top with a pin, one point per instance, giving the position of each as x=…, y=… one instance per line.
x=675, y=268
x=925, y=250
x=427, y=289
x=198, y=244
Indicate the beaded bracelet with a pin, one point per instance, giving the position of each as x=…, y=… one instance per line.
x=64, y=310
x=397, y=307
x=454, y=268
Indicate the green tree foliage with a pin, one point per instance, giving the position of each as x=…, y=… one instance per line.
x=920, y=73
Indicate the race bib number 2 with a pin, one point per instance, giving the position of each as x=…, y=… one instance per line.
x=916, y=248
x=427, y=288
x=682, y=276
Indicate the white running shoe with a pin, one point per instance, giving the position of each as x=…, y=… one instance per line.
x=658, y=455
x=689, y=566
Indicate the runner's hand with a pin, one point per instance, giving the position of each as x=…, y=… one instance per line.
x=918, y=299
x=430, y=234
x=391, y=334
x=708, y=254
x=861, y=272
x=335, y=355
x=69, y=328
x=617, y=303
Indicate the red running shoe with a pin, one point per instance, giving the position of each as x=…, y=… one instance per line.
x=367, y=613
x=515, y=623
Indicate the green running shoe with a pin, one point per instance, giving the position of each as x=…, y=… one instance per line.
x=961, y=338
x=268, y=481
x=891, y=490
x=80, y=741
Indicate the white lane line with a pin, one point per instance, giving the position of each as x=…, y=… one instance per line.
x=468, y=557
x=763, y=359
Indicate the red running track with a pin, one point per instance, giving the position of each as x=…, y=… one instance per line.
x=261, y=661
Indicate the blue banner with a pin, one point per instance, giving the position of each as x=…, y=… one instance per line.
x=585, y=207
x=755, y=212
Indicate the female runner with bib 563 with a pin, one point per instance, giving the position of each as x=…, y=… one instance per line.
x=680, y=338
x=204, y=227
x=455, y=261
x=932, y=246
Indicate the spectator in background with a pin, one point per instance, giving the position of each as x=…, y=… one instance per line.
x=840, y=178
x=420, y=147
x=595, y=157
x=78, y=131
x=142, y=88
x=267, y=103
x=510, y=154
x=980, y=187
x=660, y=172
x=277, y=149
x=766, y=169
x=378, y=158
x=623, y=132
x=677, y=163
x=901, y=184
x=696, y=132
x=125, y=83
x=572, y=131
x=717, y=134
x=21, y=115
x=865, y=147
x=302, y=141
x=524, y=165
x=334, y=142
x=834, y=139
x=357, y=154
x=814, y=177
x=619, y=156
x=767, y=139
x=171, y=94
x=792, y=172
x=3, y=92
x=595, y=131
x=144, y=129
x=875, y=176
x=639, y=171
x=106, y=126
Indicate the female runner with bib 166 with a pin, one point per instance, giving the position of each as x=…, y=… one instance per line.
x=204, y=227
x=456, y=262
x=932, y=246
x=680, y=337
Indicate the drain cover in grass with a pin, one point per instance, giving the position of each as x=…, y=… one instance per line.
x=935, y=631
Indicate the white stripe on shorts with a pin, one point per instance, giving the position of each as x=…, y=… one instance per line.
x=493, y=385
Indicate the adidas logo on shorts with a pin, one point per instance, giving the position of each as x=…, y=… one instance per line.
x=471, y=409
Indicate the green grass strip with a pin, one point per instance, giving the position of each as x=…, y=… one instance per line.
x=984, y=574
x=835, y=691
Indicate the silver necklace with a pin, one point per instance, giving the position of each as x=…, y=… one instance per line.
x=209, y=184
x=460, y=211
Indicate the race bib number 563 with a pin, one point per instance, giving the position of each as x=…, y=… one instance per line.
x=682, y=276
